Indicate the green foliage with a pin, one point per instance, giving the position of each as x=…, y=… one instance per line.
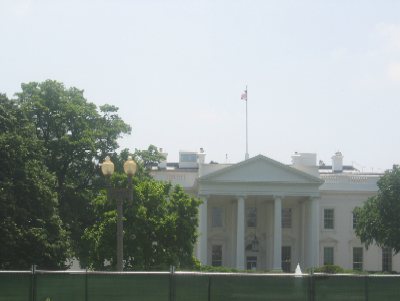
x=329, y=269
x=378, y=219
x=51, y=142
x=31, y=230
x=159, y=228
x=74, y=136
x=149, y=157
x=62, y=137
x=221, y=269
x=146, y=159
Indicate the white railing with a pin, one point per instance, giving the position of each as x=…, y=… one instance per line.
x=350, y=179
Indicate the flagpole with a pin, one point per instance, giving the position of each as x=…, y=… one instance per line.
x=247, y=140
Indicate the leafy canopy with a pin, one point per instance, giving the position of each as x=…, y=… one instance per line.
x=51, y=141
x=75, y=136
x=378, y=219
x=159, y=228
x=52, y=202
x=31, y=231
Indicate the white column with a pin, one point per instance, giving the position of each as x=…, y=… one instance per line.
x=202, y=244
x=314, y=242
x=277, y=255
x=308, y=253
x=313, y=232
x=302, y=241
x=240, y=245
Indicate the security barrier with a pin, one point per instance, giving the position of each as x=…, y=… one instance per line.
x=183, y=286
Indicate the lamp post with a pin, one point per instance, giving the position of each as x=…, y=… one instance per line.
x=119, y=194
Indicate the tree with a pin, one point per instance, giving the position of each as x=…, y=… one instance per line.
x=149, y=157
x=378, y=219
x=75, y=136
x=31, y=231
x=145, y=160
x=159, y=227
x=51, y=143
x=52, y=139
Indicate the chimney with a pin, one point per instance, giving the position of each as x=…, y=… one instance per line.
x=163, y=163
x=201, y=156
x=306, y=162
x=337, y=162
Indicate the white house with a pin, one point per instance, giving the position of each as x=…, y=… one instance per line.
x=265, y=215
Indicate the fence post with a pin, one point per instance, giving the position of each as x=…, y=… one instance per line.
x=312, y=287
x=86, y=285
x=366, y=287
x=33, y=283
x=171, y=283
x=209, y=287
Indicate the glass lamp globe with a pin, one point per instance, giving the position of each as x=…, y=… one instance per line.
x=107, y=167
x=130, y=166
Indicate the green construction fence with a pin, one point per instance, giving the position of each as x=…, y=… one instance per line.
x=184, y=286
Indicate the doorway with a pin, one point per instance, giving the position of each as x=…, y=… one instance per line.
x=286, y=259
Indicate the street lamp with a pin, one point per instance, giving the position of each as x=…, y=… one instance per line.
x=119, y=194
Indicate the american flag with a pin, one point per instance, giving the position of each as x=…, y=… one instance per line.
x=244, y=96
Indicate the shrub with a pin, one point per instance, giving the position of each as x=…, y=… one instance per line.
x=208, y=268
x=329, y=269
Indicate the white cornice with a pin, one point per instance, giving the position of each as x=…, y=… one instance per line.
x=310, y=179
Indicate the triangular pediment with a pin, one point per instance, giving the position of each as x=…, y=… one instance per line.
x=260, y=169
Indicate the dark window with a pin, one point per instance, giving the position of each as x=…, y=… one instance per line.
x=328, y=256
x=358, y=258
x=286, y=259
x=251, y=262
x=252, y=217
x=329, y=218
x=216, y=218
x=286, y=218
x=354, y=221
x=216, y=256
x=387, y=259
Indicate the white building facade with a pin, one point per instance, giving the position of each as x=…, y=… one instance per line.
x=264, y=215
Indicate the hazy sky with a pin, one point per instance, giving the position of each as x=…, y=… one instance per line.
x=323, y=76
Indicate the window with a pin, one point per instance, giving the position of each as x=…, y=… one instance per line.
x=216, y=256
x=328, y=256
x=251, y=262
x=253, y=245
x=188, y=158
x=216, y=217
x=387, y=259
x=286, y=259
x=329, y=219
x=357, y=258
x=286, y=218
x=251, y=217
x=354, y=221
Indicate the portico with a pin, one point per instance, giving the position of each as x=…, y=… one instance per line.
x=239, y=218
x=259, y=214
